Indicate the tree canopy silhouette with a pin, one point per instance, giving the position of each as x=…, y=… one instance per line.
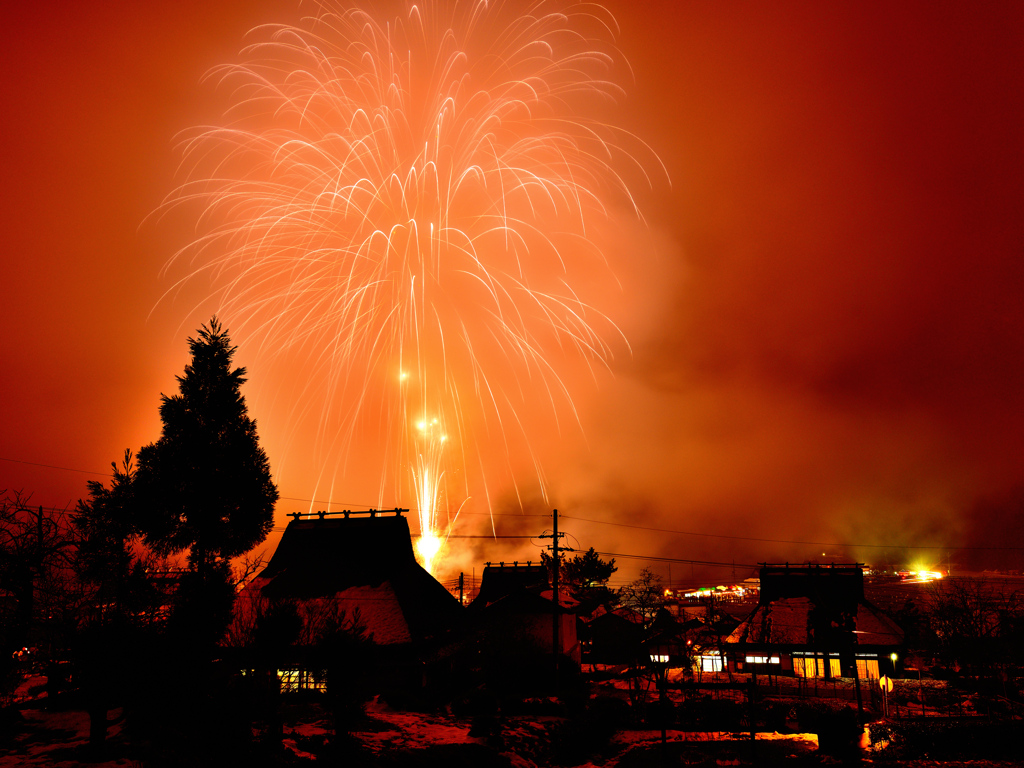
x=205, y=486
x=645, y=595
x=585, y=576
x=106, y=526
x=587, y=570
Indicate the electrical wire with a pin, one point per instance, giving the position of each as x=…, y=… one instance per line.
x=825, y=544
x=53, y=466
x=656, y=559
x=783, y=541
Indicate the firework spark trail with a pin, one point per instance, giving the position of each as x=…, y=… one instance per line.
x=406, y=200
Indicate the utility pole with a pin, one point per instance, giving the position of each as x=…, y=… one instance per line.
x=556, y=554
x=555, y=618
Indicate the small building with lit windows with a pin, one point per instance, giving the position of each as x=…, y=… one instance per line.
x=814, y=621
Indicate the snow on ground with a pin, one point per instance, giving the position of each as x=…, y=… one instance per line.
x=414, y=730
x=809, y=740
x=32, y=685
x=411, y=729
x=55, y=740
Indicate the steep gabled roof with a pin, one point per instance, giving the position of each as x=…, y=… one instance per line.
x=787, y=621
x=501, y=580
x=799, y=602
x=525, y=602
x=317, y=558
x=365, y=564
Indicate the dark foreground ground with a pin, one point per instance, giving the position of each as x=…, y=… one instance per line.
x=400, y=739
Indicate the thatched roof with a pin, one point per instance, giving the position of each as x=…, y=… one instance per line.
x=789, y=621
x=500, y=580
x=815, y=605
x=364, y=564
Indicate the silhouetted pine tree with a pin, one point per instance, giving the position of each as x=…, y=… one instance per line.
x=585, y=576
x=115, y=591
x=205, y=485
x=106, y=526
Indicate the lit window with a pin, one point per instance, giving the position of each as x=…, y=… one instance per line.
x=301, y=680
x=289, y=679
x=711, y=663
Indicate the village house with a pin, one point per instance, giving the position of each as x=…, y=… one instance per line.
x=354, y=572
x=814, y=621
x=612, y=636
x=515, y=601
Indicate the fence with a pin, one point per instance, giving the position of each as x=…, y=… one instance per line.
x=799, y=687
x=909, y=699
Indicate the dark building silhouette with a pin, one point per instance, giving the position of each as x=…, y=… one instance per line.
x=515, y=601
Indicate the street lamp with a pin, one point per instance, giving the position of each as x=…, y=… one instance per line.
x=660, y=662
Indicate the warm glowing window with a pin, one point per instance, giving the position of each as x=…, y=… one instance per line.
x=800, y=666
x=301, y=680
x=711, y=663
x=812, y=667
x=289, y=679
x=867, y=669
x=762, y=659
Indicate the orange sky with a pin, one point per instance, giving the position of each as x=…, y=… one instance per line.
x=825, y=308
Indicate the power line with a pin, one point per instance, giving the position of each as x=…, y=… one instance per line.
x=606, y=522
x=507, y=514
x=657, y=559
x=54, y=466
x=786, y=541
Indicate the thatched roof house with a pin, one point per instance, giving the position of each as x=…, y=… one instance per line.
x=814, y=621
x=351, y=576
x=364, y=564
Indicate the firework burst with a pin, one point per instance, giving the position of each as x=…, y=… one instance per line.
x=405, y=201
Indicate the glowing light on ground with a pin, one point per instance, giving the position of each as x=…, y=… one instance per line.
x=921, y=575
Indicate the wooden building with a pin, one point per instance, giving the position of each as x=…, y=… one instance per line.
x=814, y=621
x=515, y=600
x=355, y=571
